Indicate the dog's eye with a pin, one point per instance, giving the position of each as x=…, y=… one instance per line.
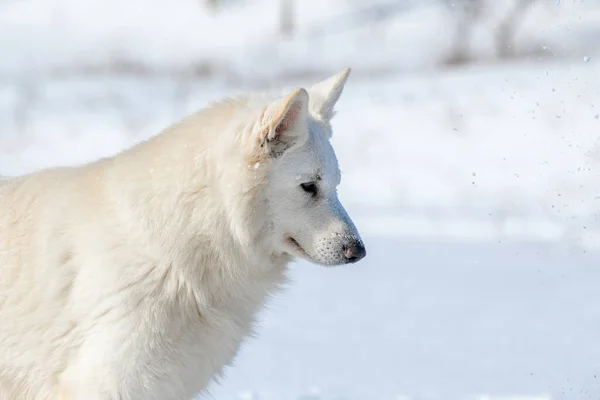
x=310, y=187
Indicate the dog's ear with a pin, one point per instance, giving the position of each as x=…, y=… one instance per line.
x=325, y=94
x=284, y=122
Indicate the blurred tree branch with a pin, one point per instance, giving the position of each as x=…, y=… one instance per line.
x=470, y=12
x=506, y=30
x=286, y=18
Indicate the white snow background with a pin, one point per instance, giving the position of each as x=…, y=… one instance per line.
x=476, y=186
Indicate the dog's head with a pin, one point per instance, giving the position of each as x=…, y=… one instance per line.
x=302, y=176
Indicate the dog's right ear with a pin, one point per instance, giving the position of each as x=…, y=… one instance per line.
x=284, y=123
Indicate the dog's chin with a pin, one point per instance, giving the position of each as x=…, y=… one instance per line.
x=293, y=248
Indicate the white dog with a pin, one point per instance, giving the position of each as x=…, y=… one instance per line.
x=137, y=277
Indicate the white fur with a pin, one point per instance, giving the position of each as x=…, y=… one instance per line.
x=137, y=277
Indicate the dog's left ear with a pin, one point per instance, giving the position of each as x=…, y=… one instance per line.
x=325, y=94
x=285, y=122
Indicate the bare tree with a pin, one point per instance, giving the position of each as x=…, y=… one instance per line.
x=286, y=18
x=212, y=4
x=506, y=30
x=468, y=13
x=471, y=12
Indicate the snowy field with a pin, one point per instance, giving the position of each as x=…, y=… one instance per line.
x=430, y=320
x=476, y=187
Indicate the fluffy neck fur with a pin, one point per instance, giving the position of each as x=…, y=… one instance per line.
x=198, y=174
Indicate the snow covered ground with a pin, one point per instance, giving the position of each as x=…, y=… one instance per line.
x=429, y=320
x=476, y=188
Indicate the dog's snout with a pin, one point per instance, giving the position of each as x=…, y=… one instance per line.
x=354, y=251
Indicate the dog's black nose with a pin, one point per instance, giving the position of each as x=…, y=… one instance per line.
x=355, y=251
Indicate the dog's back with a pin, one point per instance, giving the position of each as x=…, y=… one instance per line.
x=34, y=283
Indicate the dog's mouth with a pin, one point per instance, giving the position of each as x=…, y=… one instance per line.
x=295, y=246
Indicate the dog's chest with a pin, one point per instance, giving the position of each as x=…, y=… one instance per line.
x=197, y=354
x=197, y=342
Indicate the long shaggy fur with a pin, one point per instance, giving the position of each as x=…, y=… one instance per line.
x=138, y=276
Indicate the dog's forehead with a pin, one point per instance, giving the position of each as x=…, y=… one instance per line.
x=322, y=153
x=314, y=159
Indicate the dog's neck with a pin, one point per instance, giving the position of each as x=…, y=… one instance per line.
x=236, y=234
